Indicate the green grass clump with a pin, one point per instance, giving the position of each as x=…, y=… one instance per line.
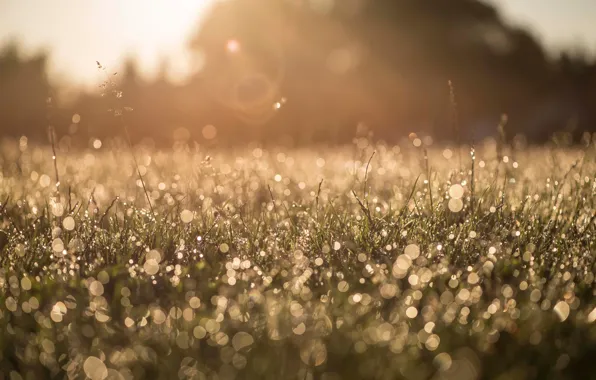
x=308, y=264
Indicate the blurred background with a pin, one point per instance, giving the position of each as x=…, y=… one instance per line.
x=295, y=72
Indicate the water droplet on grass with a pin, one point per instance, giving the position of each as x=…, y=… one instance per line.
x=411, y=312
x=313, y=353
x=241, y=340
x=25, y=283
x=455, y=205
x=57, y=245
x=95, y=369
x=562, y=310
x=151, y=267
x=413, y=251
x=96, y=288
x=153, y=255
x=199, y=332
x=443, y=361
x=68, y=223
x=456, y=191
x=186, y=216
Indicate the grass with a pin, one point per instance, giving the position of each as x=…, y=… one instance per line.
x=380, y=262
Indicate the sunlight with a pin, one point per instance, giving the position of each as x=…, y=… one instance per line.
x=161, y=27
x=233, y=46
x=80, y=33
x=160, y=22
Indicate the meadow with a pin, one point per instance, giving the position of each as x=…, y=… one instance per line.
x=370, y=261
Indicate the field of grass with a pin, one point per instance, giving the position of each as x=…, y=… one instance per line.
x=362, y=262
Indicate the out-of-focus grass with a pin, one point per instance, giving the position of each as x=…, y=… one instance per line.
x=282, y=264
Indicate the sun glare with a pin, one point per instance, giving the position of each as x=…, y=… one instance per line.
x=233, y=46
x=163, y=22
x=161, y=28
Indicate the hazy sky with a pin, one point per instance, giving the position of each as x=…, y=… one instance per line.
x=79, y=32
x=557, y=22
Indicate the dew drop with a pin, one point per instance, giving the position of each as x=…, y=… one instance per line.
x=241, y=340
x=95, y=369
x=44, y=180
x=456, y=191
x=151, y=267
x=455, y=205
x=413, y=251
x=57, y=245
x=96, y=288
x=25, y=283
x=562, y=310
x=443, y=361
x=313, y=353
x=68, y=223
x=199, y=332
x=153, y=255
x=186, y=216
x=411, y=312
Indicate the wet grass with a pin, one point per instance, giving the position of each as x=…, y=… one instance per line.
x=380, y=262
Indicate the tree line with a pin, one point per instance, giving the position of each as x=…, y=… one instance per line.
x=306, y=72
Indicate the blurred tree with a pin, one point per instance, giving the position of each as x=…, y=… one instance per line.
x=24, y=91
x=384, y=61
x=310, y=71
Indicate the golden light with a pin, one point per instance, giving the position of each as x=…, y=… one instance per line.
x=160, y=28
x=233, y=46
x=163, y=22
